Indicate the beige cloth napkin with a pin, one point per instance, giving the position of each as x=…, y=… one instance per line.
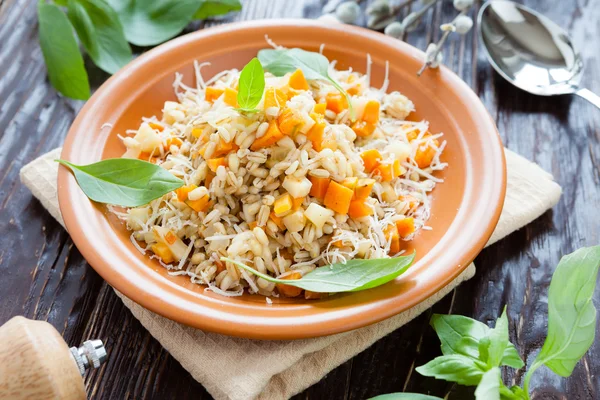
x=227, y=366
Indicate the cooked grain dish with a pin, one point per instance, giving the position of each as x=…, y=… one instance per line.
x=306, y=181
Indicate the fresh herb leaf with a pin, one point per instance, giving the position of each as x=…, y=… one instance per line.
x=315, y=66
x=352, y=276
x=571, y=313
x=404, y=396
x=64, y=61
x=454, y=368
x=150, y=22
x=489, y=386
x=251, y=85
x=123, y=181
x=100, y=32
x=498, y=341
x=213, y=8
x=462, y=335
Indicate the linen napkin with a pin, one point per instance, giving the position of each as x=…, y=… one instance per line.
x=226, y=366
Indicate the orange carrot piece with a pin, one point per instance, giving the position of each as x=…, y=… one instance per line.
x=405, y=227
x=271, y=136
x=173, y=141
x=362, y=128
x=220, y=265
x=199, y=205
x=275, y=98
x=363, y=188
x=338, y=197
x=315, y=135
x=287, y=290
x=278, y=220
x=225, y=148
x=358, y=208
x=156, y=126
x=336, y=102
x=252, y=224
x=425, y=154
x=289, y=122
x=297, y=202
x=231, y=97
x=215, y=163
x=283, y=204
x=182, y=192
x=163, y=251
x=308, y=295
x=319, y=186
x=209, y=178
x=211, y=94
x=391, y=233
x=371, y=159
x=320, y=108
x=298, y=81
x=411, y=200
x=384, y=171
x=371, y=112
x=170, y=237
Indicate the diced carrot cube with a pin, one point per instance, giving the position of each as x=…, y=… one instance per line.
x=231, y=97
x=220, y=265
x=209, y=178
x=384, y=171
x=283, y=204
x=288, y=122
x=197, y=132
x=182, y=192
x=298, y=81
x=371, y=112
x=320, y=108
x=200, y=205
x=173, y=141
x=156, y=126
x=278, y=220
x=336, y=102
x=163, y=251
x=362, y=128
x=315, y=135
x=275, y=98
x=338, y=197
x=211, y=94
x=412, y=135
x=371, y=159
x=425, y=154
x=319, y=186
x=271, y=136
x=297, y=202
x=215, y=163
x=411, y=200
x=359, y=208
x=405, y=227
x=252, y=224
x=224, y=148
x=288, y=290
x=363, y=188
x=391, y=234
x=350, y=183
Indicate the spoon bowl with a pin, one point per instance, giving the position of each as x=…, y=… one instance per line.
x=530, y=51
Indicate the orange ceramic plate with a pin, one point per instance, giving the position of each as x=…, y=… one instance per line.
x=465, y=210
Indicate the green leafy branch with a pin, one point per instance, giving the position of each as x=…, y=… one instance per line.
x=105, y=28
x=473, y=353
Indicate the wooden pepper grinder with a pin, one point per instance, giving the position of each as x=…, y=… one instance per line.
x=36, y=363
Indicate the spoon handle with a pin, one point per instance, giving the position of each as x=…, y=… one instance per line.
x=589, y=96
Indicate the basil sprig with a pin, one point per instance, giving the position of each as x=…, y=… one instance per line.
x=474, y=353
x=211, y=8
x=315, y=66
x=352, y=276
x=251, y=86
x=123, y=181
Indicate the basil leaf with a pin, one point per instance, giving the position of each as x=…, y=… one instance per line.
x=352, y=276
x=64, y=61
x=123, y=181
x=514, y=393
x=315, y=66
x=498, y=340
x=571, y=312
x=462, y=335
x=454, y=368
x=489, y=386
x=213, y=8
x=404, y=396
x=150, y=22
x=251, y=85
x=100, y=32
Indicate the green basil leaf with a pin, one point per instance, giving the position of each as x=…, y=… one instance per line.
x=352, y=276
x=64, y=61
x=462, y=335
x=213, y=8
x=498, y=340
x=315, y=66
x=514, y=393
x=484, y=349
x=489, y=386
x=100, y=32
x=405, y=396
x=454, y=368
x=150, y=22
x=571, y=312
x=123, y=181
x=251, y=85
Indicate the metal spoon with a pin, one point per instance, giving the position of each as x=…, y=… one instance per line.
x=530, y=51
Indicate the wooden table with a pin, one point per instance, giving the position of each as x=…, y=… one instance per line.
x=45, y=277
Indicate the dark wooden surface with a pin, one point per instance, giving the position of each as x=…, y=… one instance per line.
x=45, y=277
